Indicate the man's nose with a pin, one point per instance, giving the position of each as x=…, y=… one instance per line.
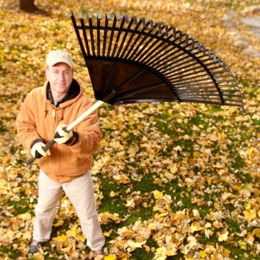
x=61, y=76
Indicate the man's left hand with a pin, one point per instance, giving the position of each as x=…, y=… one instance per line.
x=62, y=136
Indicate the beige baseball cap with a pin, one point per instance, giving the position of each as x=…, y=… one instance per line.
x=58, y=56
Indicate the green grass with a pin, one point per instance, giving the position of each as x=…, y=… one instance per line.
x=12, y=253
x=146, y=184
x=19, y=206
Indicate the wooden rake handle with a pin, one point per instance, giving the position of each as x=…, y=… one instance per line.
x=71, y=126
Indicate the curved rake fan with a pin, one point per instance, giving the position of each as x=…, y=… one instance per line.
x=138, y=60
x=131, y=60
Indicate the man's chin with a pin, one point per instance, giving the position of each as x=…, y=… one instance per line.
x=62, y=89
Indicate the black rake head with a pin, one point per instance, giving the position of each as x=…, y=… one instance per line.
x=134, y=60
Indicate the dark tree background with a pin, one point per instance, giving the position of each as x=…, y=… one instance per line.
x=29, y=6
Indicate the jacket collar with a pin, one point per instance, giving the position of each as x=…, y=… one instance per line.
x=73, y=92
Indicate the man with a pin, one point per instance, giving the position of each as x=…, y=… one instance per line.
x=65, y=166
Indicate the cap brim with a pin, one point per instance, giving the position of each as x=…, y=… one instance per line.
x=50, y=64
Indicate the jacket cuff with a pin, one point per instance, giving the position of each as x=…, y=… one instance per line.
x=73, y=139
x=35, y=141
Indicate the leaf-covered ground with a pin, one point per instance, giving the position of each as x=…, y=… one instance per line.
x=175, y=181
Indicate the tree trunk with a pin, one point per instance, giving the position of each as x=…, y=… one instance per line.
x=27, y=6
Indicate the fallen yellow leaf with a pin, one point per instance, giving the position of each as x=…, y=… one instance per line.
x=157, y=195
x=223, y=236
x=203, y=254
x=173, y=168
x=110, y=257
x=250, y=214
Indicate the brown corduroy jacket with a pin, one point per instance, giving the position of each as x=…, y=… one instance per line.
x=39, y=118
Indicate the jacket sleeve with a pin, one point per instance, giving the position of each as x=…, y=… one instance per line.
x=25, y=123
x=89, y=134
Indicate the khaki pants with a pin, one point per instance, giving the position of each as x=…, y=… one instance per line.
x=81, y=194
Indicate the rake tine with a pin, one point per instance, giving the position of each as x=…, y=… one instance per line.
x=166, y=31
x=111, y=35
x=184, y=83
x=108, y=17
x=177, y=35
x=196, y=61
x=184, y=58
x=188, y=66
x=159, y=28
x=192, y=43
x=92, y=40
x=191, y=81
x=200, y=101
x=123, y=21
x=219, y=73
x=174, y=32
x=215, y=98
x=189, y=76
x=141, y=22
x=222, y=63
x=116, y=18
x=198, y=66
x=223, y=79
x=76, y=28
x=201, y=85
x=198, y=86
x=136, y=52
x=232, y=96
x=157, y=53
x=171, y=53
x=202, y=92
x=190, y=72
x=126, y=31
x=147, y=43
x=186, y=39
x=180, y=52
x=198, y=93
x=84, y=32
x=126, y=18
x=209, y=100
x=147, y=39
x=161, y=48
x=182, y=40
x=146, y=58
x=230, y=90
x=137, y=24
x=99, y=17
x=200, y=46
x=150, y=22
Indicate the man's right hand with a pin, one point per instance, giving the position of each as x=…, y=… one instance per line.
x=38, y=150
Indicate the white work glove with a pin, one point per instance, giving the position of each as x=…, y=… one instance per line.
x=62, y=136
x=38, y=150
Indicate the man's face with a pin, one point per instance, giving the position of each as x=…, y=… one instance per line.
x=60, y=77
